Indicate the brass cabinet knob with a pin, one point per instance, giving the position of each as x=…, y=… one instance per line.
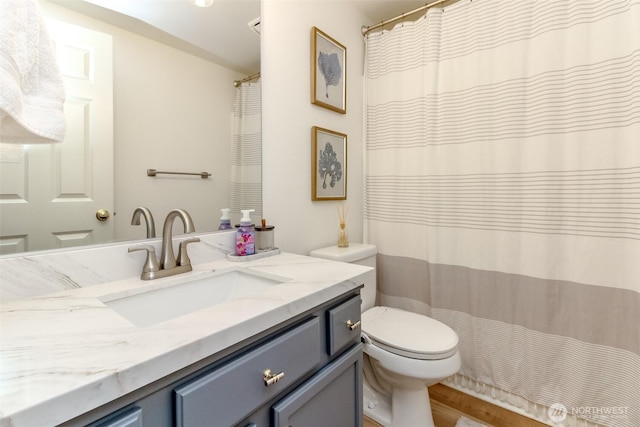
x=271, y=378
x=103, y=215
x=353, y=326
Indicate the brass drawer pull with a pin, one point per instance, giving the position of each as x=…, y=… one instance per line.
x=270, y=378
x=353, y=326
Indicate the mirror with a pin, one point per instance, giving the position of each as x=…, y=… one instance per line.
x=173, y=98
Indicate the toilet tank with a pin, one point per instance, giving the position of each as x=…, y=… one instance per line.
x=356, y=253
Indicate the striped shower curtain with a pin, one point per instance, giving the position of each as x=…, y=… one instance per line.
x=502, y=189
x=246, y=150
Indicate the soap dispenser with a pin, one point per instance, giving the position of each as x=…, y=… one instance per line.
x=246, y=235
x=225, y=221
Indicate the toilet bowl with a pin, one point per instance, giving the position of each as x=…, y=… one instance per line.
x=405, y=352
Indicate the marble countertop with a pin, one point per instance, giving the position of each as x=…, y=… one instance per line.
x=66, y=353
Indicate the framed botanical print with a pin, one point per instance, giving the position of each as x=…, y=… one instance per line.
x=329, y=164
x=328, y=72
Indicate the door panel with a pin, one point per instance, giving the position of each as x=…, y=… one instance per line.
x=333, y=397
x=49, y=194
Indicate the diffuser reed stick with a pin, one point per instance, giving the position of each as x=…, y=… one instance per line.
x=343, y=236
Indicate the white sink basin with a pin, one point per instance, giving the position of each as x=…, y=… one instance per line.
x=177, y=297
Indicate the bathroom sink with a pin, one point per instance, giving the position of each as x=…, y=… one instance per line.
x=177, y=297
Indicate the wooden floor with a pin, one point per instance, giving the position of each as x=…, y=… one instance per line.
x=448, y=405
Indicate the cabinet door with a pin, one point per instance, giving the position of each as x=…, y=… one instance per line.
x=333, y=397
x=343, y=325
x=229, y=393
x=130, y=418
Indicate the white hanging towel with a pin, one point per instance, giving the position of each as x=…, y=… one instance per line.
x=31, y=87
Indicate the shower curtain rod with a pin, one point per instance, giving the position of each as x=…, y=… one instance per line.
x=366, y=30
x=246, y=79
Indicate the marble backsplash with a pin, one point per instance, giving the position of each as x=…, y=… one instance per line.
x=33, y=274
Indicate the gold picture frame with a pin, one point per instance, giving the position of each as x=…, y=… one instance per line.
x=328, y=72
x=329, y=164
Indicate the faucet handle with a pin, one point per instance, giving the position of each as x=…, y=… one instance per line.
x=151, y=264
x=183, y=257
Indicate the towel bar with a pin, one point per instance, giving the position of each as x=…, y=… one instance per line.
x=203, y=175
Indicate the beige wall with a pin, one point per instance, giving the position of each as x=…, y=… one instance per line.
x=288, y=115
x=173, y=111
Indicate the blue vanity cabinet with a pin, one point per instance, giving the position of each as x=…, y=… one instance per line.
x=333, y=397
x=305, y=372
x=239, y=387
x=343, y=323
x=131, y=417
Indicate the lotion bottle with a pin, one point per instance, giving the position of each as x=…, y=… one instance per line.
x=225, y=221
x=246, y=235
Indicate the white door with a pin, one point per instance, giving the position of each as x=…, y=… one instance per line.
x=50, y=194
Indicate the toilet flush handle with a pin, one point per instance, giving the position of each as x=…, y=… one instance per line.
x=353, y=326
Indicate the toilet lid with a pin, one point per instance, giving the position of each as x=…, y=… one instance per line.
x=409, y=334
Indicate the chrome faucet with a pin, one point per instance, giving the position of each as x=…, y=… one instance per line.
x=168, y=265
x=148, y=218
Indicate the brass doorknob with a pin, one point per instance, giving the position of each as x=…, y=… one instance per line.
x=102, y=215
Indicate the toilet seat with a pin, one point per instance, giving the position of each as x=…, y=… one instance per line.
x=408, y=334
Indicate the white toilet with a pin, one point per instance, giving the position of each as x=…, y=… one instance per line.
x=404, y=352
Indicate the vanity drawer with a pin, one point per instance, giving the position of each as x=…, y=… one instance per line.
x=343, y=325
x=224, y=396
x=130, y=418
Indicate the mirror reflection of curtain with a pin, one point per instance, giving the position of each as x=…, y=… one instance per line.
x=246, y=152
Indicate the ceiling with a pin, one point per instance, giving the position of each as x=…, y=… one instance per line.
x=380, y=10
x=220, y=33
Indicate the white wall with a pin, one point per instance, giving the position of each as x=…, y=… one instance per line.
x=172, y=111
x=288, y=115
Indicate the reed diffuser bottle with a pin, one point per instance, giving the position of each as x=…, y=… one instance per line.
x=343, y=236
